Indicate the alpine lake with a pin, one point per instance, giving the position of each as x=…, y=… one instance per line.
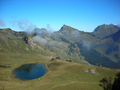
x=30, y=71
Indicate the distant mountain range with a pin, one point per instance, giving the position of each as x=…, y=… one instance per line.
x=100, y=47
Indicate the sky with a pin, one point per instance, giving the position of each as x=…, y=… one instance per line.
x=84, y=15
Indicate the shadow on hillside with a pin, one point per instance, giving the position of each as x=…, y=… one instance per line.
x=107, y=84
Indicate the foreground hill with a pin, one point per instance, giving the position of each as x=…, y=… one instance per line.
x=61, y=75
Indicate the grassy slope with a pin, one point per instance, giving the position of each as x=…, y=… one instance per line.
x=61, y=75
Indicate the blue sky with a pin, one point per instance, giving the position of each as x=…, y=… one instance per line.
x=84, y=15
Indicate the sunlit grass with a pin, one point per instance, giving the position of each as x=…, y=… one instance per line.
x=61, y=75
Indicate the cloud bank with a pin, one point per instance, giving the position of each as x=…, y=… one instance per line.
x=76, y=33
x=46, y=42
x=40, y=40
x=49, y=28
x=24, y=25
x=87, y=44
x=2, y=24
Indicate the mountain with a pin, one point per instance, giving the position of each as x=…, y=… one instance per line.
x=67, y=29
x=84, y=42
x=69, y=34
x=110, y=46
x=105, y=30
x=68, y=43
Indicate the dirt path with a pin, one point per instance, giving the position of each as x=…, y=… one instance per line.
x=73, y=82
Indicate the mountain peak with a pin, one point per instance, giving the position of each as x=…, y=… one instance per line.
x=67, y=28
x=106, y=25
x=105, y=30
x=64, y=25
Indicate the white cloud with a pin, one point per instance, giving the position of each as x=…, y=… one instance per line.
x=2, y=24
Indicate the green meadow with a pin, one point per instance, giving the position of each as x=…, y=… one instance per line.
x=61, y=75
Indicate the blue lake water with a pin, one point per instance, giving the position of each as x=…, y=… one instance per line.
x=29, y=71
